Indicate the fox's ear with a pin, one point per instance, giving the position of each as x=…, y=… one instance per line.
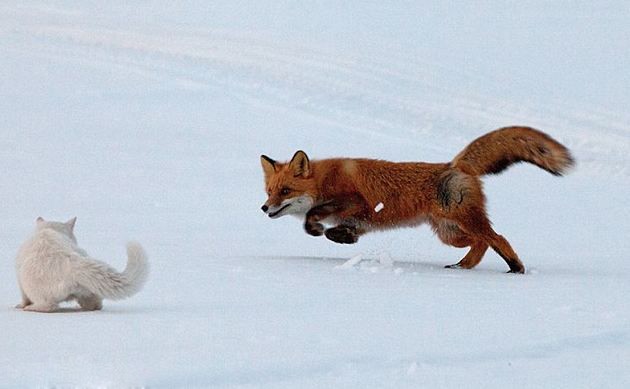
x=268, y=165
x=70, y=223
x=39, y=220
x=300, y=165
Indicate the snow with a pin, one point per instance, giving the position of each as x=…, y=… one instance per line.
x=379, y=207
x=146, y=121
x=350, y=262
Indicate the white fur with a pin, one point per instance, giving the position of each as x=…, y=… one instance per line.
x=51, y=268
x=294, y=206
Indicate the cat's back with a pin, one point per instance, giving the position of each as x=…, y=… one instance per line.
x=44, y=245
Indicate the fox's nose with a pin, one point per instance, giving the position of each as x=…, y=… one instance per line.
x=264, y=208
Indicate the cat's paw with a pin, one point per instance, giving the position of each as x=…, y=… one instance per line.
x=40, y=308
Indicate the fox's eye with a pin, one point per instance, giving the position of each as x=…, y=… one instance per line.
x=285, y=191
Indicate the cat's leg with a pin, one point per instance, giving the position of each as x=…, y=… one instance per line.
x=25, y=301
x=42, y=307
x=90, y=303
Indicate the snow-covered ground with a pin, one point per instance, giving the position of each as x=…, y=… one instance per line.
x=147, y=121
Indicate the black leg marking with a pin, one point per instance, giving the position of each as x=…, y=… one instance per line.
x=315, y=229
x=343, y=234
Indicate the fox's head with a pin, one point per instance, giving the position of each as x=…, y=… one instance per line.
x=66, y=228
x=290, y=186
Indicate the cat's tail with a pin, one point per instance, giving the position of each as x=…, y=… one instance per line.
x=102, y=280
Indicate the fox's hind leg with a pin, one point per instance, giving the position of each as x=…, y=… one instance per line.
x=452, y=235
x=472, y=258
x=503, y=248
x=476, y=224
x=461, y=201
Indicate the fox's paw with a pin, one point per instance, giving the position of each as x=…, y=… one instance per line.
x=460, y=265
x=342, y=234
x=315, y=229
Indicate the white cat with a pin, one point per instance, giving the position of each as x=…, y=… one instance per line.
x=51, y=269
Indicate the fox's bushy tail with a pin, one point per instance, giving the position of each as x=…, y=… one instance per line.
x=497, y=150
x=102, y=280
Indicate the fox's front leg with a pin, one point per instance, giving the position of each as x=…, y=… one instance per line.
x=345, y=208
x=320, y=212
x=344, y=233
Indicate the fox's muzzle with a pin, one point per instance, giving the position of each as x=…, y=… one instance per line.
x=292, y=206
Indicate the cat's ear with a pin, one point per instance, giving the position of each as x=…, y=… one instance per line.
x=70, y=223
x=40, y=220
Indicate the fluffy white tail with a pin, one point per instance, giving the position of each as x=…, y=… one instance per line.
x=102, y=280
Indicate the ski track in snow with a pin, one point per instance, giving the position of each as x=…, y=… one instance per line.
x=366, y=95
x=284, y=375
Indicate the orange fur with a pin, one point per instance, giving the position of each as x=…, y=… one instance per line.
x=449, y=196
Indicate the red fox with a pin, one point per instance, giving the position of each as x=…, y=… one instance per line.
x=361, y=195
